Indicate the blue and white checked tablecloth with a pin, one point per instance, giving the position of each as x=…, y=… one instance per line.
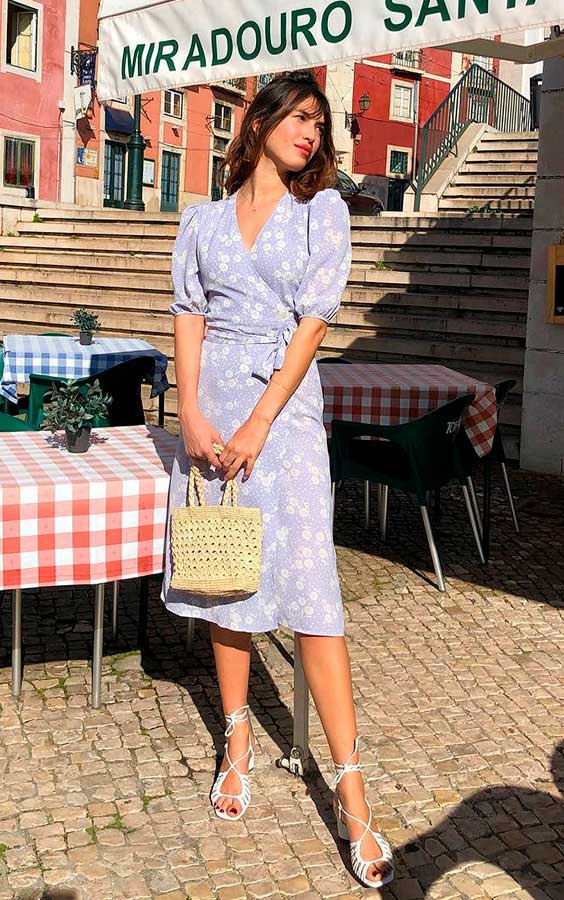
x=65, y=357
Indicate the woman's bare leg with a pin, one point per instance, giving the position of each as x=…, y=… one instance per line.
x=327, y=669
x=232, y=651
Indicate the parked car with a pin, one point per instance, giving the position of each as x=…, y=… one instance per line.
x=358, y=197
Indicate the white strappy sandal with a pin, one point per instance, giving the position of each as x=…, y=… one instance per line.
x=361, y=866
x=244, y=795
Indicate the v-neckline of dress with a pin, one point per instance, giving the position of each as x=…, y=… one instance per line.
x=250, y=251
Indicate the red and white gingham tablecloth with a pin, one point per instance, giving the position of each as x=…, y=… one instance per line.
x=390, y=394
x=83, y=518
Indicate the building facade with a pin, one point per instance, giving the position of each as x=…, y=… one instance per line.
x=36, y=98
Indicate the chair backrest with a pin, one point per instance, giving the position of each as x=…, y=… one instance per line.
x=502, y=389
x=54, y=334
x=10, y=423
x=123, y=384
x=39, y=387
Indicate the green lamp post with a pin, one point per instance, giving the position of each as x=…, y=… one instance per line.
x=134, y=199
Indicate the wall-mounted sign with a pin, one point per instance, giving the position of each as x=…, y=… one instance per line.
x=149, y=172
x=555, y=309
x=82, y=100
x=87, y=157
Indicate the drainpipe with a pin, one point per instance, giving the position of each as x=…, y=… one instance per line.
x=416, y=134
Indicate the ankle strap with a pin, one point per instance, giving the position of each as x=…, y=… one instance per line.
x=343, y=769
x=235, y=718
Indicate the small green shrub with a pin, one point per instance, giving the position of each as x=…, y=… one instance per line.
x=85, y=321
x=74, y=406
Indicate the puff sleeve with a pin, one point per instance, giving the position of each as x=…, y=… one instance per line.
x=328, y=267
x=189, y=294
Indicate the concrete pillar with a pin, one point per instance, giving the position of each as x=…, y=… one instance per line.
x=542, y=444
x=519, y=76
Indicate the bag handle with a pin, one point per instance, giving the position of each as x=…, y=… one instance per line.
x=196, y=487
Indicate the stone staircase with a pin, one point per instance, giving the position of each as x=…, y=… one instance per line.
x=498, y=177
x=452, y=290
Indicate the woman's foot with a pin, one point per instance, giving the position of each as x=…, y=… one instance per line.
x=231, y=793
x=356, y=818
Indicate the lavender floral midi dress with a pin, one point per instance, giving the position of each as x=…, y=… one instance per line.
x=253, y=301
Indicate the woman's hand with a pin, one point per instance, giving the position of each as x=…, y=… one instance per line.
x=199, y=436
x=243, y=449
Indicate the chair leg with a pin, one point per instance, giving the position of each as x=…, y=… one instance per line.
x=190, y=633
x=115, y=597
x=433, y=548
x=473, y=523
x=383, y=510
x=367, y=504
x=333, y=499
x=475, y=507
x=510, y=497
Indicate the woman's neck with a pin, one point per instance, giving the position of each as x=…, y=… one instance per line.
x=266, y=183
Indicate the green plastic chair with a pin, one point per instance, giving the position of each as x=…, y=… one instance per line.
x=417, y=457
x=472, y=461
x=10, y=423
x=122, y=382
x=54, y=334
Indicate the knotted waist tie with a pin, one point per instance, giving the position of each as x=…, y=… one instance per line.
x=276, y=344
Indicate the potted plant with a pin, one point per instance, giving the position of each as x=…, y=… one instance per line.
x=74, y=407
x=86, y=323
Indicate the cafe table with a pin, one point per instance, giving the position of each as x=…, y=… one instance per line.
x=81, y=519
x=65, y=357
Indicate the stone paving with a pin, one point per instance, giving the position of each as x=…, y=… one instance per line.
x=460, y=704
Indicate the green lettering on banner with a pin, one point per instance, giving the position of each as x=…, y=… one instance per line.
x=249, y=54
x=128, y=63
x=167, y=49
x=268, y=35
x=481, y=5
x=330, y=36
x=303, y=28
x=195, y=53
x=148, y=57
x=394, y=6
x=511, y=4
x=216, y=59
x=530, y=2
x=428, y=10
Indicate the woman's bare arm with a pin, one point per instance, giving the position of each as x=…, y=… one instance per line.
x=199, y=434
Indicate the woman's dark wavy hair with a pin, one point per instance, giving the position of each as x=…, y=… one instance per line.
x=272, y=104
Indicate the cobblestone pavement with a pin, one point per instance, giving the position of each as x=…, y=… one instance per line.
x=460, y=703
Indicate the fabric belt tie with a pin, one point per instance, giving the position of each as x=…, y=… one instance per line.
x=277, y=344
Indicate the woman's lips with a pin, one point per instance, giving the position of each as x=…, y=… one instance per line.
x=303, y=149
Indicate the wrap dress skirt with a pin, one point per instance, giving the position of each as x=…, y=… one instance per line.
x=252, y=302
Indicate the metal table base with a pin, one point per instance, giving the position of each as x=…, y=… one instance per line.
x=96, y=653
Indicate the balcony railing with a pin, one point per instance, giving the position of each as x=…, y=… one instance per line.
x=234, y=84
x=407, y=59
x=478, y=97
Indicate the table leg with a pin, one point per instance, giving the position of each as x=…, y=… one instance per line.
x=486, y=512
x=16, y=642
x=98, y=645
x=190, y=633
x=161, y=409
x=143, y=615
x=298, y=760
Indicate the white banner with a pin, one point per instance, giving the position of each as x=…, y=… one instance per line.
x=153, y=44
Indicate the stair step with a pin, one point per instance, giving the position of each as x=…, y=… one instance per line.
x=465, y=204
x=80, y=244
x=439, y=260
x=439, y=279
x=517, y=145
x=509, y=136
x=480, y=180
x=441, y=223
x=500, y=167
x=91, y=297
x=474, y=303
x=469, y=328
x=85, y=261
x=495, y=157
x=461, y=241
x=94, y=278
x=95, y=214
x=497, y=192
x=455, y=351
x=116, y=228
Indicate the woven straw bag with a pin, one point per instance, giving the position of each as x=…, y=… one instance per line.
x=216, y=550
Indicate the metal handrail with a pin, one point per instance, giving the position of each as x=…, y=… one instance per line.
x=478, y=97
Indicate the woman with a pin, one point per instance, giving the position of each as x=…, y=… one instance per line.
x=257, y=277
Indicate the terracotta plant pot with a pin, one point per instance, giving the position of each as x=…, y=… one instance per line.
x=78, y=441
x=85, y=338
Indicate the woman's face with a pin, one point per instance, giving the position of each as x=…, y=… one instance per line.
x=296, y=138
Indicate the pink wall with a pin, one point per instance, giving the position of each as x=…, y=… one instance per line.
x=29, y=107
